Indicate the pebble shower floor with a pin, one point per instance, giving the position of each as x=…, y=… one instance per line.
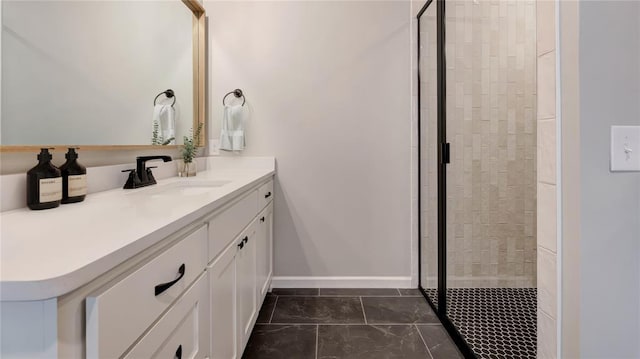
x=495, y=322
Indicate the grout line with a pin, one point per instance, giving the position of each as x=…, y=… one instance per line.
x=423, y=341
x=547, y=183
x=367, y=296
x=317, y=335
x=363, y=313
x=274, y=309
x=354, y=324
x=545, y=52
x=349, y=295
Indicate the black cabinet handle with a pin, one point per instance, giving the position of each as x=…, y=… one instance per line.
x=179, y=352
x=241, y=244
x=164, y=286
x=267, y=195
x=262, y=219
x=245, y=239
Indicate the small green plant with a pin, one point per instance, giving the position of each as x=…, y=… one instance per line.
x=190, y=146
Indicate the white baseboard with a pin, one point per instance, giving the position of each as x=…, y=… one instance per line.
x=482, y=282
x=341, y=282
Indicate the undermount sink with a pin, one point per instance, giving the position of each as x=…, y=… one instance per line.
x=182, y=188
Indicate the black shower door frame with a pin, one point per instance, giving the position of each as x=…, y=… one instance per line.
x=443, y=160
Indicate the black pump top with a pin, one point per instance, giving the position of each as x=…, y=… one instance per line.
x=72, y=154
x=44, y=155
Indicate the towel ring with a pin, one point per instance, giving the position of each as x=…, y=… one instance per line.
x=237, y=93
x=169, y=93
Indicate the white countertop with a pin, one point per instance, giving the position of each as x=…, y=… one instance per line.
x=44, y=254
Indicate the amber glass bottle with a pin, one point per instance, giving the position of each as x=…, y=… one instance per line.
x=44, y=183
x=74, y=178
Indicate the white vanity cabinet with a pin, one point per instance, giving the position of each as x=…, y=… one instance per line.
x=233, y=296
x=246, y=284
x=264, y=244
x=193, y=292
x=222, y=288
x=212, y=317
x=239, y=278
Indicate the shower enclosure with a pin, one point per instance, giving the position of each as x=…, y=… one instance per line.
x=477, y=172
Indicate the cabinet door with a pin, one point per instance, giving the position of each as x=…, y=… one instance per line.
x=222, y=287
x=182, y=332
x=264, y=251
x=246, y=285
x=118, y=313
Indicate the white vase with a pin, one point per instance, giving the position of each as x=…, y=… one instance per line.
x=187, y=169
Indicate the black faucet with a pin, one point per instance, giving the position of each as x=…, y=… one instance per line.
x=142, y=175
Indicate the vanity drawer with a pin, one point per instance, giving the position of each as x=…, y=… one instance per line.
x=265, y=194
x=118, y=314
x=183, y=332
x=225, y=226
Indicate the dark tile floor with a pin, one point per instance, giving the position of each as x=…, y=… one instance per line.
x=348, y=323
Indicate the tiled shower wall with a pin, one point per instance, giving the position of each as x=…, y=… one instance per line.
x=547, y=180
x=491, y=125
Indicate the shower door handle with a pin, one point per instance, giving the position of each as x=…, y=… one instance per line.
x=445, y=153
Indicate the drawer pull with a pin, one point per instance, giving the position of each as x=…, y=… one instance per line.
x=164, y=286
x=262, y=219
x=267, y=195
x=245, y=239
x=241, y=244
x=179, y=352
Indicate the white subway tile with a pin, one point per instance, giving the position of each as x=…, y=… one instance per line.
x=546, y=336
x=547, y=85
x=547, y=290
x=546, y=25
x=546, y=216
x=546, y=150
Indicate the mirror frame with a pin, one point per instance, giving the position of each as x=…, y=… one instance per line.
x=199, y=96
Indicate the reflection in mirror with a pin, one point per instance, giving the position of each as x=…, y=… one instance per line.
x=87, y=72
x=164, y=120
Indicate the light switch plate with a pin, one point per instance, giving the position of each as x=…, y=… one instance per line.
x=625, y=148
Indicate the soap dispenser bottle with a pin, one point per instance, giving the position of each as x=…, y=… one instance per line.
x=44, y=183
x=74, y=178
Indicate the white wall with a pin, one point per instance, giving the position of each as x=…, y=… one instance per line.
x=610, y=207
x=328, y=84
x=416, y=6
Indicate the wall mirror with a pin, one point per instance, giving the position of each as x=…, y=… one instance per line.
x=94, y=74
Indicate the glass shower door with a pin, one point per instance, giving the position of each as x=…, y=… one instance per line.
x=491, y=192
x=428, y=167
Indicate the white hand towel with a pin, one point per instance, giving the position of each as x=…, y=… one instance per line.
x=232, y=133
x=165, y=117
